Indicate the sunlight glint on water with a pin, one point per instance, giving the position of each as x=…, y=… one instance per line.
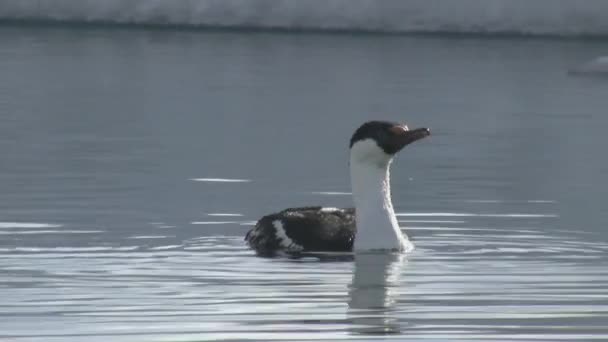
x=462, y=284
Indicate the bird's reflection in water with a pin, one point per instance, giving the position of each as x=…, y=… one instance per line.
x=370, y=306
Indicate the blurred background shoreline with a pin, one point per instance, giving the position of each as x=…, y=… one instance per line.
x=560, y=18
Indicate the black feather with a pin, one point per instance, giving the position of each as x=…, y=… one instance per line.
x=379, y=131
x=309, y=228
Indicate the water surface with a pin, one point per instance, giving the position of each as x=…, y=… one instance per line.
x=134, y=161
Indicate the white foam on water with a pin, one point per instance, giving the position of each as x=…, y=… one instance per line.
x=149, y=237
x=513, y=201
x=484, y=201
x=441, y=214
x=432, y=221
x=162, y=248
x=220, y=180
x=541, y=201
x=68, y=249
x=32, y=232
x=462, y=229
x=27, y=225
x=556, y=17
x=215, y=222
x=332, y=193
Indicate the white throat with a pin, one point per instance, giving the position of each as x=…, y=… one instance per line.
x=377, y=226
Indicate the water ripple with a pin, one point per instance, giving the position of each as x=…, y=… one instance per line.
x=458, y=284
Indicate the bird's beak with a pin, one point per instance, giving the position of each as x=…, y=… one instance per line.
x=405, y=136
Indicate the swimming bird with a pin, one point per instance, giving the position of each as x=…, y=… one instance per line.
x=371, y=225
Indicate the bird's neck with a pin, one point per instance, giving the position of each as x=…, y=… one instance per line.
x=377, y=226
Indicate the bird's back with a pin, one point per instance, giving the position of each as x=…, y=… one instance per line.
x=304, y=229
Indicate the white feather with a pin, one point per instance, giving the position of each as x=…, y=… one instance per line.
x=285, y=241
x=377, y=226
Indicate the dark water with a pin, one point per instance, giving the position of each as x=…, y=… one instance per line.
x=133, y=162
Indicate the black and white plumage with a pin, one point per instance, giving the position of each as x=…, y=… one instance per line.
x=304, y=229
x=372, y=224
